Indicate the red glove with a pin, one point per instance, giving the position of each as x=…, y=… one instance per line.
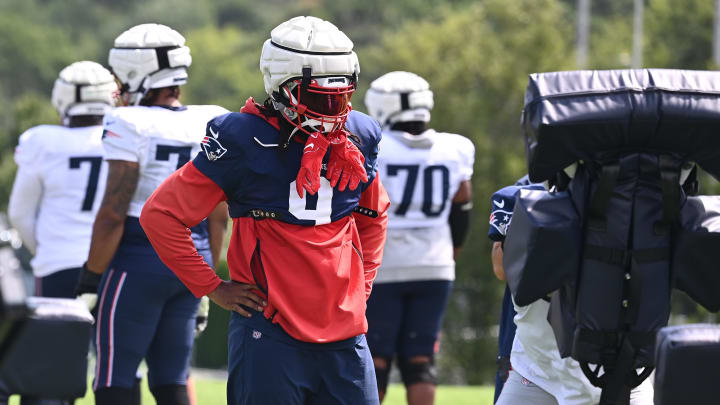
x=346, y=164
x=308, y=176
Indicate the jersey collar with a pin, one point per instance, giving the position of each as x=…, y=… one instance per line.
x=172, y=108
x=251, y=107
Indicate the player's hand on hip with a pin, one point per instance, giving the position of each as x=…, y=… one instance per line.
x=238, y=297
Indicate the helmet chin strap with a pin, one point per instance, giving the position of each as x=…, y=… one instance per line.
x=141, y=92
x=312, y=124
x=291, y=116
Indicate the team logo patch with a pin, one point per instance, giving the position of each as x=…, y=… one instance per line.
x=256, y=334
x=500, y=220
x=212, y=147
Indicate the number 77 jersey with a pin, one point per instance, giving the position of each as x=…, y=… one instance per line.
x=160, y=139
x=57, y=192
x=421, y=174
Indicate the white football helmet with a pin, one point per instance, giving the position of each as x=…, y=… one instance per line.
x=310, y=72
x=84, y=88
x=149, y=56
x=399, y=97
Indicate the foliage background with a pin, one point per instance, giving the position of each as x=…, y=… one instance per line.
x=475, y=54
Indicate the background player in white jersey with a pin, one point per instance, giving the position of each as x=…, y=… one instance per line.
x=60, y=175
x=538, y=375
x=144, y=311
x=427, y=176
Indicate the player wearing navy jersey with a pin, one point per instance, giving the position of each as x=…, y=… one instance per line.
x=427, y=176
x=309, y=217
x=144, y=311
x=60, y=174
x=500, y=215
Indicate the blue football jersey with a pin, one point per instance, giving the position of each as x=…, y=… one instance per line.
x=502, y=205
x=244, y=155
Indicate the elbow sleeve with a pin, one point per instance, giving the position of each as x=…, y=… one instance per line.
x=460, y=222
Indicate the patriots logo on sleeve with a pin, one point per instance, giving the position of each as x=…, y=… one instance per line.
x=502, y=205
x=211, y=146
x=500, y=220
x=501, y=210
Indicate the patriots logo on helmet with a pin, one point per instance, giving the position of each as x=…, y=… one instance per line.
x=500, y=220
x=212, y=147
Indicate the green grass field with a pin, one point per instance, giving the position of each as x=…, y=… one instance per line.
x=212, y=392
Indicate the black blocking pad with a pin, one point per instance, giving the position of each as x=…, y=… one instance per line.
x=48, y=356
x=577, y=115
x=687, y=358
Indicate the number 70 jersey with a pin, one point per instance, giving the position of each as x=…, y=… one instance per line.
x=159, y=139
x=421, y=174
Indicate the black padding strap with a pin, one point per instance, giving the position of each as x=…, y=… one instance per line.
x=404, y=101
x=617, y=387
x=622, y=257
x=306, y=77
x=597, y=220
x=78, y=93
x=162, y=56
x=598, y=338
x=669, y=183
x=617, y=257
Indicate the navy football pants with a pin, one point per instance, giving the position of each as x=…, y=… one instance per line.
x=60, y=284
x=269, y=367
x=143, y=315
x=505, y=342
x=405, y=318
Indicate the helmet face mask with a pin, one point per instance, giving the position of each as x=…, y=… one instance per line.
x=321, y=105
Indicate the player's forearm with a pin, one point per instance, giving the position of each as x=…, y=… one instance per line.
x=217, y=227
x=173, y=243
x=23, y=219
x=182, y=201
x=497, y=260
x=106, y=235
x=23, y=207
x=110, y=220
x=372, y=229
